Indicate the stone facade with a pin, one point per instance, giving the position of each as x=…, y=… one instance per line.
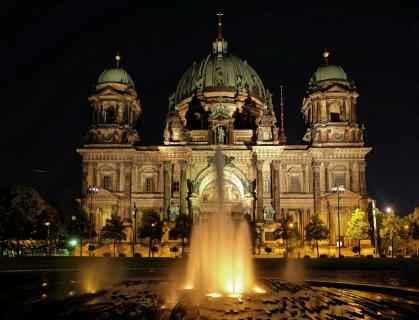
x=221, y=103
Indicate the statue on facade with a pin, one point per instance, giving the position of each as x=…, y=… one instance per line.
x=166, y=133
x=220, y=135
x=241, y=84
x=259, y=133
x=172, y=101
x=268, y=213
x=248, y=186
x=173, y=212
x=268, y=99
x=194, y=186
x=199, y=85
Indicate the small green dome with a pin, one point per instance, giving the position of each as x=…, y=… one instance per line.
x=328, y=72
x=117, y=75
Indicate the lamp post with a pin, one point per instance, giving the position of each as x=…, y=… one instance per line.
x=134, y=229
x=338, y=189
x=151, y=238
x=390, y=210
x=374, y=215
x=91, y=191
x=47, y=225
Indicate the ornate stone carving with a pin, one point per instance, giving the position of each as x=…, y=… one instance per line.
x=268, y=213
x=173, y=212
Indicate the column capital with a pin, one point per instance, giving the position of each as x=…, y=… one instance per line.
x=166, y=164
x=183, y=165
x=259, y=164
x=276, y=164
x=316, y=166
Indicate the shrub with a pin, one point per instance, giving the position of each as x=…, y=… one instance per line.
x=154, y=249
x=137, y=255
x=306, y=257
x=174, y=249
x=415, y=255
x=356, y=249
x=383, y=255
x=122, y=255
x=268, y=250
x=369, y=256
x=400, y=256
x=323, y=255
x=91, y=247
x=106, y=254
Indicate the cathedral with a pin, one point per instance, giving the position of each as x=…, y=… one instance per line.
x=221, y=102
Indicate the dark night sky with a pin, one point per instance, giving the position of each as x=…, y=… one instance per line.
x=53, y=51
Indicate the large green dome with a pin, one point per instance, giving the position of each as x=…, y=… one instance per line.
x=328, y=72
x=117, y=75
x=219, y=72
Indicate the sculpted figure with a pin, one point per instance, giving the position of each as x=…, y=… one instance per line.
x=220, y=135
x=166, y=133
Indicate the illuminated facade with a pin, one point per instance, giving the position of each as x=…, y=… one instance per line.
x=221, y=101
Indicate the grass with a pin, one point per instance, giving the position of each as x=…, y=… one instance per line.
x=29, y=263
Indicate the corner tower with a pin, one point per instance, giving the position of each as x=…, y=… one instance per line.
x=329, y=108
x=115, y=108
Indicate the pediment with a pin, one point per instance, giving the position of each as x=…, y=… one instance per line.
x=105, y=194
x=336, y=88
x=346, y=195
x=109, y=91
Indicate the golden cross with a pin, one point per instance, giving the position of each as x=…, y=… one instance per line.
x=219, y=14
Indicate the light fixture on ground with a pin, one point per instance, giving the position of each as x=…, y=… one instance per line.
x=338, y=189
x=134, y=228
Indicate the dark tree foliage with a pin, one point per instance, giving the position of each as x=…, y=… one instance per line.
x=182, y=229
x=23, y=218
x=255, y=236
x=78, y=227
x=316, y=230
x=151, y=227
x=114, y=229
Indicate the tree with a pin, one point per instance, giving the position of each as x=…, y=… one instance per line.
x=151, y=227
x=182, y=228
x=255, y=236
x=358, y=228
x=268, y=250
x=379, y=217
x=287, y=229
x=391, y=228
x=79, y=227
x=114, y=229
x=413, y=222
x=316, y=230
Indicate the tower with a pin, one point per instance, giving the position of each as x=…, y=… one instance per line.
x=329, y=108
x=115, y=108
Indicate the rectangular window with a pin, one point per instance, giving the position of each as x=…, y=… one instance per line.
x=107, y=182
x=176, y=186
x=295, y=184
x=149, y=185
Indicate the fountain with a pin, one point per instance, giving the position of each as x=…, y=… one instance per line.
x=220, y=261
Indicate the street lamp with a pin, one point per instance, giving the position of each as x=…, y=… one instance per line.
x=389, y=210
x=91, y=191
x=338, y=189
x=374, y=215
x=134, y=229
x=151, y=238
x=47, y=225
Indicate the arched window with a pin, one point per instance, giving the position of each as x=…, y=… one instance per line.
x=339, y=175
x=110, y=115
x=334, y=111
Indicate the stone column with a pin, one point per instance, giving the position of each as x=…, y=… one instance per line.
x=84, y=182
x=363, y=186
x=259, y=190
x=183, y=186
x=276, y=190
x=128, y=189
x=316, y=187
x=167, y=166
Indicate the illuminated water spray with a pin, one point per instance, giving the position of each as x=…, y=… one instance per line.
x=220, y=259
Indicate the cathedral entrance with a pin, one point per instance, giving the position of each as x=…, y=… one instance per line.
x=232, y=198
